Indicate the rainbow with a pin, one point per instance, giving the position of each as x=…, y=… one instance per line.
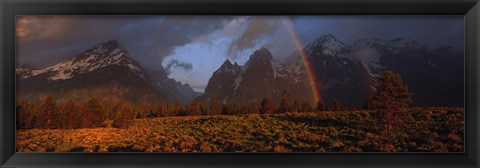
x=306, y=62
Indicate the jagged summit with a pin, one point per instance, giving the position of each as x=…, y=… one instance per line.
x=262, y=53
x=260, y=77
x=260, y=57
x=227, y=63
x=326, y=45
x=326, y=37
x=105, y=49
x=100, y=56
x=103, y=70
x=343, y=73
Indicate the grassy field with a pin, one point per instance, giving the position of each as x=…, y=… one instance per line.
x=431, y=130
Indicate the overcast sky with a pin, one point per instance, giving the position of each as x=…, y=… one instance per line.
x=191, y=48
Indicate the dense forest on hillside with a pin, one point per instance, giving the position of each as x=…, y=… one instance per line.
x=68, y=114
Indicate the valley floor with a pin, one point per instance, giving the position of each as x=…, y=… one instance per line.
x=431, y=130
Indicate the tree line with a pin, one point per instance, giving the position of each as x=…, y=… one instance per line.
x=67, y=114
x=392, y=94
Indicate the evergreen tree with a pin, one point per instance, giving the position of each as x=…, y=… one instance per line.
x=215, y=107
x=285, y=103
x=25, y=115
x=46, y=112
x=178, y=110
x=392, y=99
x=70, y=115
x=266, y=106
x=28, y=115
x=98, y=117
x=125, y=115
x=142, y=110
x=194, y=108
x=205, y=108
x=92, y=115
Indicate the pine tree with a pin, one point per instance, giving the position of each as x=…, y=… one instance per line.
x=27, y=114
x=285, y=103
x=266, y=106
x=392, y=99
x=96, y=111
x=70, y=115
x=205, y=108
x=194, y=108
x=125, y=115
x=24, y=114
x=178, y=110
x=92, y=115
x=46, y=113
x=215, y=107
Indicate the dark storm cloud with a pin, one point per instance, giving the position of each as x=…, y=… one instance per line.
x=434, y=31
x=257, y=28
x=45, y=40
x=177, y=64
x=178, y=31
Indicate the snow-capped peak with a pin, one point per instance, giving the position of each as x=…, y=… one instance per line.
x=102, y=55
x=326, y=45
x=261, y=54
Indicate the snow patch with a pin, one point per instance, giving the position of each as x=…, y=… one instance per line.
x=277, y=67
x=238, y=80
x=61, y=75
x=91, y=61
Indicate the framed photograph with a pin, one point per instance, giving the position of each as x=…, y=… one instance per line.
x=239, y=83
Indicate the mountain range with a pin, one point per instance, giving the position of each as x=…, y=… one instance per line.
x=260, y=77
x=341, y=72
x=344, y=73
x=104, y=71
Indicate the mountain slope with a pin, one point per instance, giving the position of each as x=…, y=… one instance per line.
x=435, y=76
x=338, y=77
x=344, y=73
x=104, y=71
x=260, y=77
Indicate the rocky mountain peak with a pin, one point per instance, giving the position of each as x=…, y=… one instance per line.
x=103, y=50
x=227, y=63
x=103, y=65
x=261, y=54
x=326, y=45
x=260, y=58
x=101, y=55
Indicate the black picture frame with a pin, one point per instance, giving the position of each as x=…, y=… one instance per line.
x=10, y=8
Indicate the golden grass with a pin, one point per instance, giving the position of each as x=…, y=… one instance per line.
x=433, y=130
